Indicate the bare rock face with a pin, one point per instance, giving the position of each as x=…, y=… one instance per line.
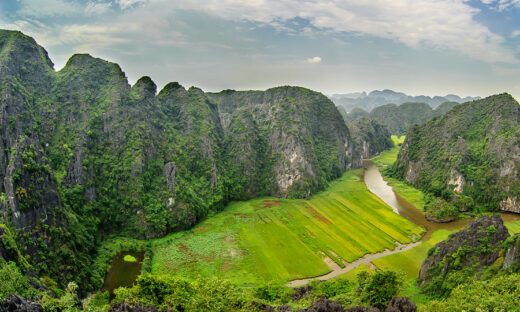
x=169, y=172
x=325, y=305
x=512, y=254
x=363, y=309
x=28, y=201
x=510, y=204
x=371, y=137
x=479, y=243
x=125, y=307
x=457, y=180
x=401, y=304
x=14, y=303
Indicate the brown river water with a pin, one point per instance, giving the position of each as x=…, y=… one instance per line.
x=378, y=186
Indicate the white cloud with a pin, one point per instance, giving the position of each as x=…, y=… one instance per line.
x=415, y=23
x=507, y=4
x=488, y=2
x=128, y=3
x=97, y=8
x=515, y=33
x=423, y=24
x=47, y=8
x=314, y=60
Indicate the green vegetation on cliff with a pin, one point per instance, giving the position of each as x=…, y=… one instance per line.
x=467, y=156
x=86, y=157
x=371, y=137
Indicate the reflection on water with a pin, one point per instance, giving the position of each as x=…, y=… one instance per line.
x=122, y=273
x=380, y=188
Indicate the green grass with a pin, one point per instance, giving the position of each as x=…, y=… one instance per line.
x=269, y=239
x=409, y=193
x=352, y=275
x=409, y=262
x=398, y=140
x=387, y=158
x=129, y=258
x=513, y=227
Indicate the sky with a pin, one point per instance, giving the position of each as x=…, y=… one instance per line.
x=430, y=47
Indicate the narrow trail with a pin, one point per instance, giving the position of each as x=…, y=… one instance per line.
x=379, y=187
x=376, y=184
x=366, y=260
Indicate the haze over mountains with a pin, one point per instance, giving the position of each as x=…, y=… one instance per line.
x=92, y=167
x=397, y=118
x=369, y=101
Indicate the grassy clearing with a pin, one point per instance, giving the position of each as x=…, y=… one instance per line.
x=409, y=262
x=352, y=275
x=387, y=158
x=398, y=140
x=513, y=227
x=129, y=258
x=269, y=239
x=411, y=194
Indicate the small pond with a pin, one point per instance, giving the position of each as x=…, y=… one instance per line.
x=123, y=273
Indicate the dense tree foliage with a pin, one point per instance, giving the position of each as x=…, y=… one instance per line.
x=471, y=152
x=86, y=157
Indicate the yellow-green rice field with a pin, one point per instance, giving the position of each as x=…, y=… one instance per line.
x=270, y=239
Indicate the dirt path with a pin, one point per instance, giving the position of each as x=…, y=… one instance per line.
x=379, y=188
x=366, y=260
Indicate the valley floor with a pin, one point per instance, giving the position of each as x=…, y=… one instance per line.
x=336, y=233
x=270, y=239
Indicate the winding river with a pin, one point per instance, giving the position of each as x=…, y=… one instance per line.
x=378, y=186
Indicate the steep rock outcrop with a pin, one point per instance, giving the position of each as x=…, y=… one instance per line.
x=472, y=150
x=14, y=303
x=475, y=247
x=294, y=125
x=512, y=254
x=371, y=137
x=401, y=304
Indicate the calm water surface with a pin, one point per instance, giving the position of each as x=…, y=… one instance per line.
x=122, y=273
x=380, y=188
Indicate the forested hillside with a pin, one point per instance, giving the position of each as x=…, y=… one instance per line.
x=472, y=151
x=370, y=135
x=85, y=156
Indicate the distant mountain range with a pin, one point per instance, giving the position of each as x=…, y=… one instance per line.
x=397, y=118
x=378, y=98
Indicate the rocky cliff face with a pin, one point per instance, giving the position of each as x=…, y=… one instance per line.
x=472, y=150
x=84, y=155
x=291, y=128
x=370, y=136
x=476, y=246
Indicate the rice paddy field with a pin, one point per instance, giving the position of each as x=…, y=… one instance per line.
x=270, y=239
